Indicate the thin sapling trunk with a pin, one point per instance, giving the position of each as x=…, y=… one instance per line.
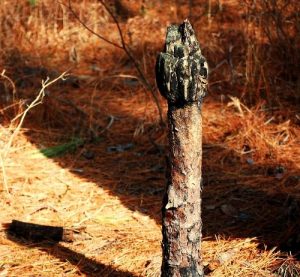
x=181, y=73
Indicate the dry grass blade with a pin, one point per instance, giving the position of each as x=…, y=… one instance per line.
x=3, y=75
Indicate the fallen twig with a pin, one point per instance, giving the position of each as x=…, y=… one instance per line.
x=38, y=100
x=39, y=233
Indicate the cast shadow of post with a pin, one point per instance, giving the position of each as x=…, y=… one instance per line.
x=84, y=265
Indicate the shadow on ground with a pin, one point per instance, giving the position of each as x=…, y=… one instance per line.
x=85, y=265
x=238, y=200
x=128, y=159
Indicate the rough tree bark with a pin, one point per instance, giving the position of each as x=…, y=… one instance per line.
x=181, y=74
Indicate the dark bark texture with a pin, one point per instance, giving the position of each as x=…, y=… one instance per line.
x=181, y=74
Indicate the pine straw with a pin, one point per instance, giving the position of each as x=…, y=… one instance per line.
x=116, y=198
x=250, y=174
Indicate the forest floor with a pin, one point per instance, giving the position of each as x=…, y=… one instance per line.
x=91, y=157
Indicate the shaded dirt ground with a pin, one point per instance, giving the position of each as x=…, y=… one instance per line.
x=109, y=187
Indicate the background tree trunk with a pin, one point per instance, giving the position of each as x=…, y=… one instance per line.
x=128, y=8
x=181, y=74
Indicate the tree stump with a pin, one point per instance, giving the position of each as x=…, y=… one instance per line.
x=181, y=75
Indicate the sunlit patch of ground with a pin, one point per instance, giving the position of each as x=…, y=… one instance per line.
x=92, y=156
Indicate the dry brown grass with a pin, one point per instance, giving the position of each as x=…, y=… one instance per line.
x=251, y=152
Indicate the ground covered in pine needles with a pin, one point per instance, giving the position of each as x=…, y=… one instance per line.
x=89, y=153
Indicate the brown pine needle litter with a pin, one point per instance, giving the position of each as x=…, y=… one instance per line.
x=91, y=156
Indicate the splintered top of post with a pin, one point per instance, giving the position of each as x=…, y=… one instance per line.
x=181, y=40
x=181, y=70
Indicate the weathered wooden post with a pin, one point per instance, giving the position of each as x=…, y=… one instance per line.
x=181, y=74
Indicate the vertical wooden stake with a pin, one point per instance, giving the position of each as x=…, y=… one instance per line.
x=181, y=74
